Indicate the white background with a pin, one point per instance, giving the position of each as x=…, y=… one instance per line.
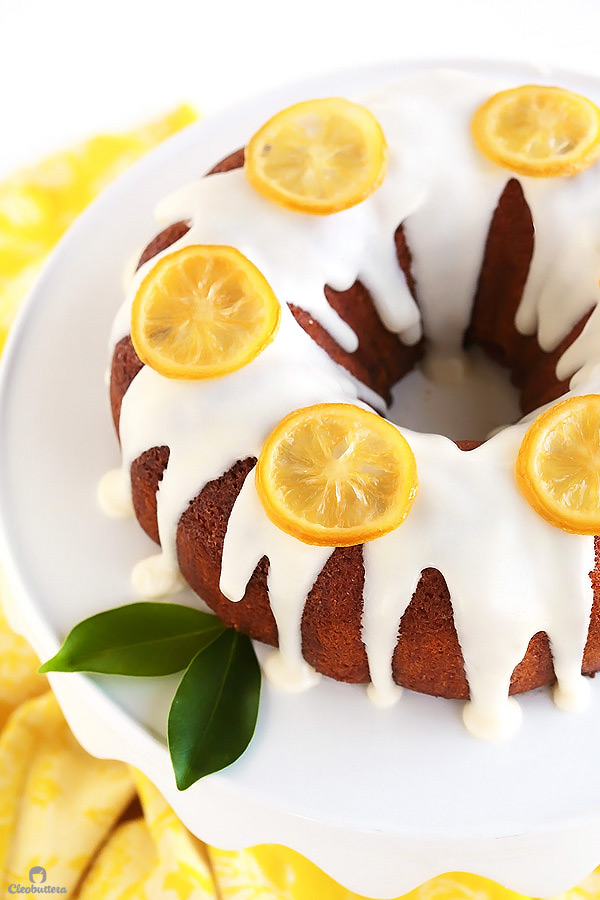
x=71, y=68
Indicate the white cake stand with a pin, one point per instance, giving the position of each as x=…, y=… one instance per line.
x=380, y=799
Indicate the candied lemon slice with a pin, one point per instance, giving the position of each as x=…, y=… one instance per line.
x=318, y=157
x=538, y=130
x=202, y=312
x=336, y=475
x=558, y=465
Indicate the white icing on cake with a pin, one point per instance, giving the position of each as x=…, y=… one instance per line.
x=510, y=574
x=156, y=576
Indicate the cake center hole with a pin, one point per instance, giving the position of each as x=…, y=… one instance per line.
x=463, y=397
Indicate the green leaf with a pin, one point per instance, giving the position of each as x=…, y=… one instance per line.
x=214, y=710
x=138, y=639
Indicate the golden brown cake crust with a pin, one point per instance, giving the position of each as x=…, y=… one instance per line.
x=427, y=657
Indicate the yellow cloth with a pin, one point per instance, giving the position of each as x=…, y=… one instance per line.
x=99, y=828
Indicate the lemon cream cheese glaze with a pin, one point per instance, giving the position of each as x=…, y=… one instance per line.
x=510, y=574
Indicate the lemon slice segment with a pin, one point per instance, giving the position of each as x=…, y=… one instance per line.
x=336, y=475
x=202, y=312
x=558, y=465
x=318, y=157
x=538, y=130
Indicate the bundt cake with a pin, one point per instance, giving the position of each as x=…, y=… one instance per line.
x=475, y=595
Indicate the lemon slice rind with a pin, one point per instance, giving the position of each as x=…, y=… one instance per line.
x=283, y=495
x=538, y=130
x=318, y=157
x=245, y=313
x=558, y=465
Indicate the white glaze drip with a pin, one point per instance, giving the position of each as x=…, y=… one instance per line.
x=574, y=696
x=447, y=210
x=293, y=569
x=287, y=675
x=504, y=586
x=493, y=723
x=156, y=576
x=384, y=697
x=114, y=494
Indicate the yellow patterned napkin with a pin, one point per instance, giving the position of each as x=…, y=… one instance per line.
x=98, y=829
